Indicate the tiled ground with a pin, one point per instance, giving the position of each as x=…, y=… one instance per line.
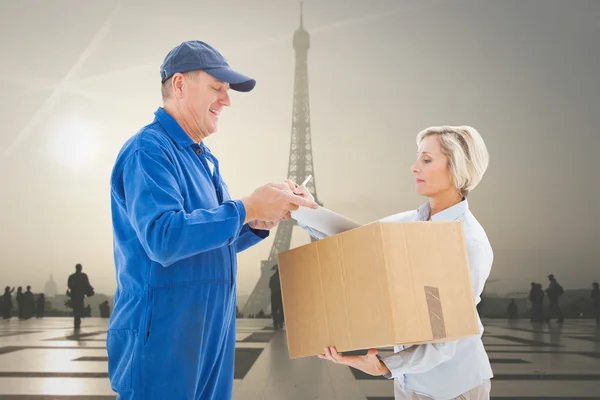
x=42, y=360
x=532, y=361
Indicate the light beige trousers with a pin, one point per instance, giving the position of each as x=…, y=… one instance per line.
x=481, y=392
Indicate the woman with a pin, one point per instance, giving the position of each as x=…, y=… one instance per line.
x=451, y=162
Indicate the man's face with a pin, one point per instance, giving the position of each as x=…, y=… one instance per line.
x=201, y=100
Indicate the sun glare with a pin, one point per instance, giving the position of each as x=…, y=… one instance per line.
x=74, y=141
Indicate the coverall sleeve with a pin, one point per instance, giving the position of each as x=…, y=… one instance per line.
x=248, y=237
x=423, y=357
x=155, y=208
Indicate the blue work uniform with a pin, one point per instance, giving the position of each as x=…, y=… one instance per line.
x=176, y=234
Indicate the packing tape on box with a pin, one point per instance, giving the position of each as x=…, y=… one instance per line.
x=436, y=315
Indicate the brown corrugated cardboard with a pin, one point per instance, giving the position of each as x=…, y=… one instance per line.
x=378, y=285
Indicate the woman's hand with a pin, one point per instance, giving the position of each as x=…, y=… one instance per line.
x=298, y=190
x=369, y=363
x=264, y=225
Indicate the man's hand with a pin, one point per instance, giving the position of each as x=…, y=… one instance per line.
x=273, y=202
x=369, y=363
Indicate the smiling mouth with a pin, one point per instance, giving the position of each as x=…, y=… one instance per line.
x=215, y=112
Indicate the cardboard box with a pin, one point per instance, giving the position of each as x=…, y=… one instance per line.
x=378, y=285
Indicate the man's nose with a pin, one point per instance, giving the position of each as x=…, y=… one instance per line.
x=225, y=100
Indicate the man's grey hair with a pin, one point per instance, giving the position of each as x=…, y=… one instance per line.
x=166, y=87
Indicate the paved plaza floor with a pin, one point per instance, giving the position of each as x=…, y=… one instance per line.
x=42, y=359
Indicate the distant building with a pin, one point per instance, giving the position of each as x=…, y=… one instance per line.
x=50, y=288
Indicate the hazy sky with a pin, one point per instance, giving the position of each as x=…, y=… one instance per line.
x=79, y=78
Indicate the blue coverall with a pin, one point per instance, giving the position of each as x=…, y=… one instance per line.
x=176, y=234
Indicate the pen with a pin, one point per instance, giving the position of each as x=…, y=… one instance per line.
x=306, y=180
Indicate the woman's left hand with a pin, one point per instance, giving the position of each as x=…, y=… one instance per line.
x=369, y=363
x=264, y=225
x=268, y=225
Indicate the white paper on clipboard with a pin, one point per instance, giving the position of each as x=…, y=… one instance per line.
x=324, y=220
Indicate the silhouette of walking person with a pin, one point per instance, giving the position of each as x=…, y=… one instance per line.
x=554, y=291
x=28, y=303
x=7, y=302
x=276, y=300
x=595, y=295
x=79, y=287
x=104, y=309
x=20, y=302
x=41, y=305
x=536, y=296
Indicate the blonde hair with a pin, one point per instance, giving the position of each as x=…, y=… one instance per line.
x=467, y=154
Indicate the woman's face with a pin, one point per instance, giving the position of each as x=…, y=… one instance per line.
x=432, y=175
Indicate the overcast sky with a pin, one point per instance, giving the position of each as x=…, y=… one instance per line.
x=79, y=78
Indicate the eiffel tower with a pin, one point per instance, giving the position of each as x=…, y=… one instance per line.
x=299, y=167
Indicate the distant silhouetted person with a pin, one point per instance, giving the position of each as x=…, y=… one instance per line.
x=276, y=300
x=595, y=295
x=104, y=309
x=6, y=303
x=28, y=304
x=536, y=297
x=554, y=291
x=20, y=302
x=79, y=287
x=40, y=306
x=512, y=309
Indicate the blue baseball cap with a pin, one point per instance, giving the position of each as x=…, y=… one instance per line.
x=195, y=55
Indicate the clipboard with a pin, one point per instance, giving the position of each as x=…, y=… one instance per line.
x=324, y=220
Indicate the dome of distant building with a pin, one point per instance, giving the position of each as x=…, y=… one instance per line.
x=50, y=288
